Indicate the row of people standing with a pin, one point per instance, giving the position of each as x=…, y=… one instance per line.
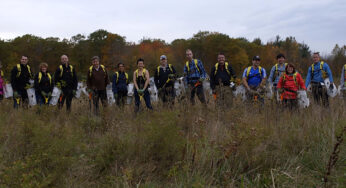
x=222, y=74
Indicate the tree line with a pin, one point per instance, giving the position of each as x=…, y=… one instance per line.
x=113, y=48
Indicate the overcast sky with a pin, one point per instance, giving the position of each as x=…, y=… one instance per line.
x=319, y=23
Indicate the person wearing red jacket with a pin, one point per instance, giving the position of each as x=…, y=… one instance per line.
x=289, y=84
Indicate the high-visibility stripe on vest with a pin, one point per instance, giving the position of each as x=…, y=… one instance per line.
x=324, y=74
x=19, y=69
x=2, y=73
x=294, y=78
x=143, y=73
x=126, y=75
x=40, y=77
x=249, y=69
x=158, y=69
x=91, y=69
x=196, y=64
x=277, y=70
x=62, y=70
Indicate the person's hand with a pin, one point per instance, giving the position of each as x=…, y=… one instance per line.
x=214, y=92
x=140, y=91
x=115, y=95
x=27, y=86
x=201, y=79
x=44, y=94
x=89, y=90
x=74, y=92
x=63, y=83
x=16, y=94
x=58, y=85
x=49, y=94
x=171, y=76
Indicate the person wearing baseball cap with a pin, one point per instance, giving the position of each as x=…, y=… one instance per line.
x=164, y=78
x=254, y=79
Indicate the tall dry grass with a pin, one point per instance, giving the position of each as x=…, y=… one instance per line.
x=184, y=146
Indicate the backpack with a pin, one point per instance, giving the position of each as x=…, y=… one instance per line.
x=277, y=69
x=196, y=64
x=91, y=70
x=249, y=69
x=143, y=73
x=126, y=75
x=62, y=70
x=19, y=69
x=294, y=78
x=158, y=69
x=40, y=77
x=324, y=74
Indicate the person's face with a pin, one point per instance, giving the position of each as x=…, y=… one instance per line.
x=140, y=64
x=316, y=58
x=221, y=59
x=281, y=60
x=189, y=55
x=163, y=62
x=64, y=59
x=121, y=68
x=256, y=63
x=24, y=60
x=44, y=69
x=96, y=63
x=290, y=70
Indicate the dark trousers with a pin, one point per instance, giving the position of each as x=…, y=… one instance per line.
x=291, y=104
x=121, y=98
x=146, y=97
x=41, y=100
x=66, y=95
x=22, y=99
x=319, y=93
x=199, y=91
x=167, y=94
x=99, y=95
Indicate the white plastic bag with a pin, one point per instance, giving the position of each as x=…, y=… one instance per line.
x=240, y=91
x=130, y=89
x=31, y=96
x=8, y=91
x=332, y=93
x=79, y=90
x=55, y=96
x=110, y=95
x=303, y=100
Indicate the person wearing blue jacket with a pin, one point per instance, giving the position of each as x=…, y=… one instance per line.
x=317, y=72
x=276, y=72
x=194, y=75
x=119, y=85
x=254, y=80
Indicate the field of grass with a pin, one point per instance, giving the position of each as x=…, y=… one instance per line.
x=180, y=147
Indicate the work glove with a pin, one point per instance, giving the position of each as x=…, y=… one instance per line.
x=201, y=79
x=49, y=94
x=74, y=92
x=44, y=94
x=89, y=91
x=140, y=91
x=27, y=86
x=58, y=85
x=16, y=94
x=331, y=87
x=115, y=95
x=171, y=76
x=63, y=83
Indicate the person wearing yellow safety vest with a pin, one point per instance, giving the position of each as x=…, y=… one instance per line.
x=164, y=81
x=66, y=79
x=141, y=82
x=194, y=75
x=343, y=81
x=317, y=72
x=43, y=85
x=276, y=72
x=97, y=81
x=20, y=76
x=221, y=78
x=2, y=82
x=119, y=85
x=254, y=80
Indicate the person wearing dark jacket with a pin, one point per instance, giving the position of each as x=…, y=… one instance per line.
x=43, y=85
x=119, y=85
x=97, y=81
x=221, y=79
x=66, y=80
x=20, y=76
x=164, y=80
